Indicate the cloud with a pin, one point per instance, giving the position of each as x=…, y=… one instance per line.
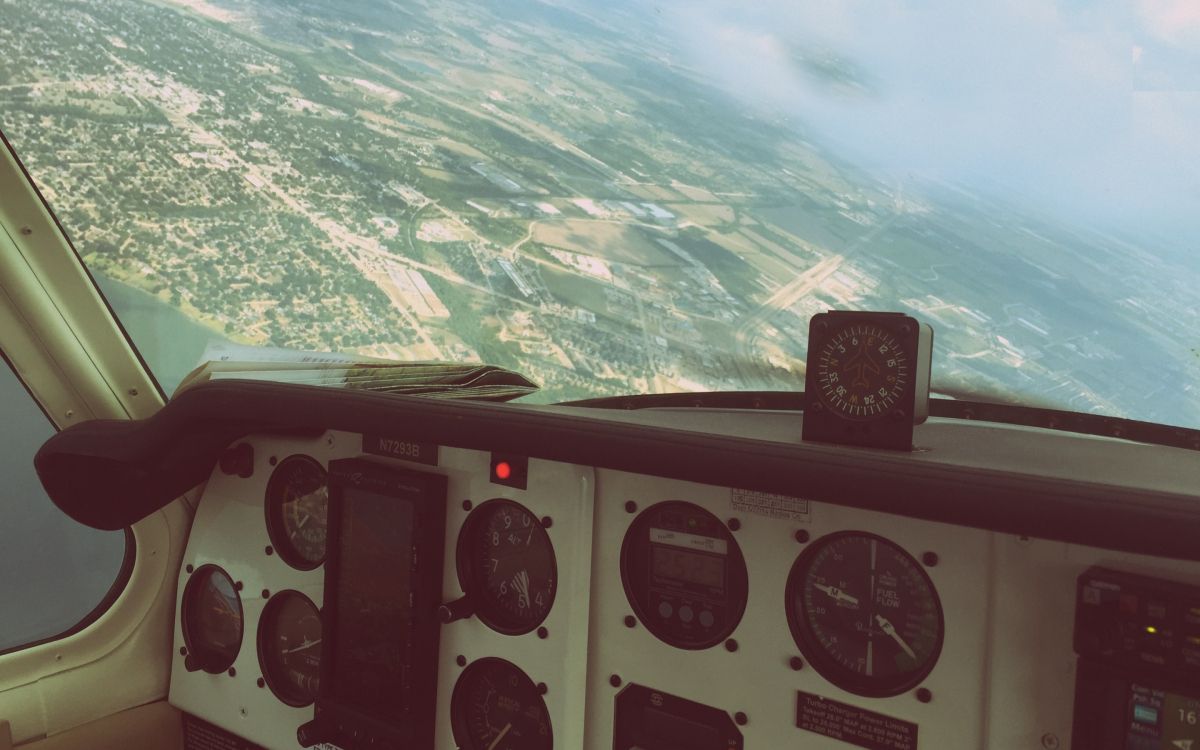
x=1175, y=22
x=1038, y=95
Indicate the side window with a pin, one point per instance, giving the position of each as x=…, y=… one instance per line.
x=55, y=574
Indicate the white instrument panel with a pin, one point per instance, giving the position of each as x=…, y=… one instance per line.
x=1005, y=676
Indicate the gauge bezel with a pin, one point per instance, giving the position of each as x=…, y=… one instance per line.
x=472, y=581
x=810, y=646
x=276, y=528
x=269, y=611
x=459, y=717
x=205, y=659
x=738, y=582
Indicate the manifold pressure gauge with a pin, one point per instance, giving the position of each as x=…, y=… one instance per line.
x=867, y=378
x=495, y=706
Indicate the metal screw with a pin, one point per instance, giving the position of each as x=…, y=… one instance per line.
x=930, y=559
x=924, y=695
x=1050, y=741
x=272, y=460
x=467, y=505
x=460, y=660
x=266, y=594
x=734, y=524
x=547, y=522
x=133, y=391
x=614, y=680
x=731, y=645
x=802, y=536
x=26, y=231
x=189, y=568
x=238, y=585
x=542, y=689
x=630, y=621
x=261, y=682
x=543, y=633
x=183, y=650
x=232, y=672
x=269, y=550
x=70, y=413
x=741, y=718
x=796, y=663
x=630, y=506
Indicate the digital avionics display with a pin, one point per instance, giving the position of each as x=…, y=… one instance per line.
x=373, y=633
x=383, y=585
x=1160, y=720
x=690, y=567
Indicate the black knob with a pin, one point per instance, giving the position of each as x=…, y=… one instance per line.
x=459, y=609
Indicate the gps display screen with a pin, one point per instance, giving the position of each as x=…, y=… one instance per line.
x=373, y=629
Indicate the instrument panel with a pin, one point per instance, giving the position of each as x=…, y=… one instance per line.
x=597, y=609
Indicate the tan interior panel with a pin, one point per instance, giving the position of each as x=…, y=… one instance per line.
x=154, y=726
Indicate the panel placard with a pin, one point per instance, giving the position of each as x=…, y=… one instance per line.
x=852, y=724
x=395, y=447
x=198, y=734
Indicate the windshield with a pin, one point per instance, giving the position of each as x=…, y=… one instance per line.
x=619, y=197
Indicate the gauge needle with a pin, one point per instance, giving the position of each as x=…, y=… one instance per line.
x=303, y=521
x=890, y=630
x=837, y=594
x=500, y=736
x=302, y=646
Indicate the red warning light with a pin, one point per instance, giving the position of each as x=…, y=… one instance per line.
x=503, y=470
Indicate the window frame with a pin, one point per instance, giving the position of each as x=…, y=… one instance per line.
x=63, y=341
x=129, y=555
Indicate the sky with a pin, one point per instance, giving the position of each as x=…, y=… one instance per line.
x=1090, y=107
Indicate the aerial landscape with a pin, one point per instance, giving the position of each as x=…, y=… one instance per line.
x=548, y=188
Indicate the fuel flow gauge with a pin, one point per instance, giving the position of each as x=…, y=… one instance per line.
x=864, y=613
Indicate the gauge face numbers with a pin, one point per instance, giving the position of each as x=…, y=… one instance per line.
x=495, y=706
x=864, y=613
x=211, y=619
x=297, y=504
x=862, y=372
x=684, y=575
x=507, y=567
x=289, y=647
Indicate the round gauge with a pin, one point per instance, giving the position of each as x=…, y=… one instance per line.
x=862, y=371
x=864, y=613
x=684, y=575
x=495, y=706
x=506, y=566
x=211, y=618
x=289, y=647
x=297, y=502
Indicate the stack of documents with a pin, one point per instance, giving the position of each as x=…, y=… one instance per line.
x=430, y=379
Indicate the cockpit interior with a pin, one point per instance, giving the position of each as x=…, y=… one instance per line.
x=358, y=550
